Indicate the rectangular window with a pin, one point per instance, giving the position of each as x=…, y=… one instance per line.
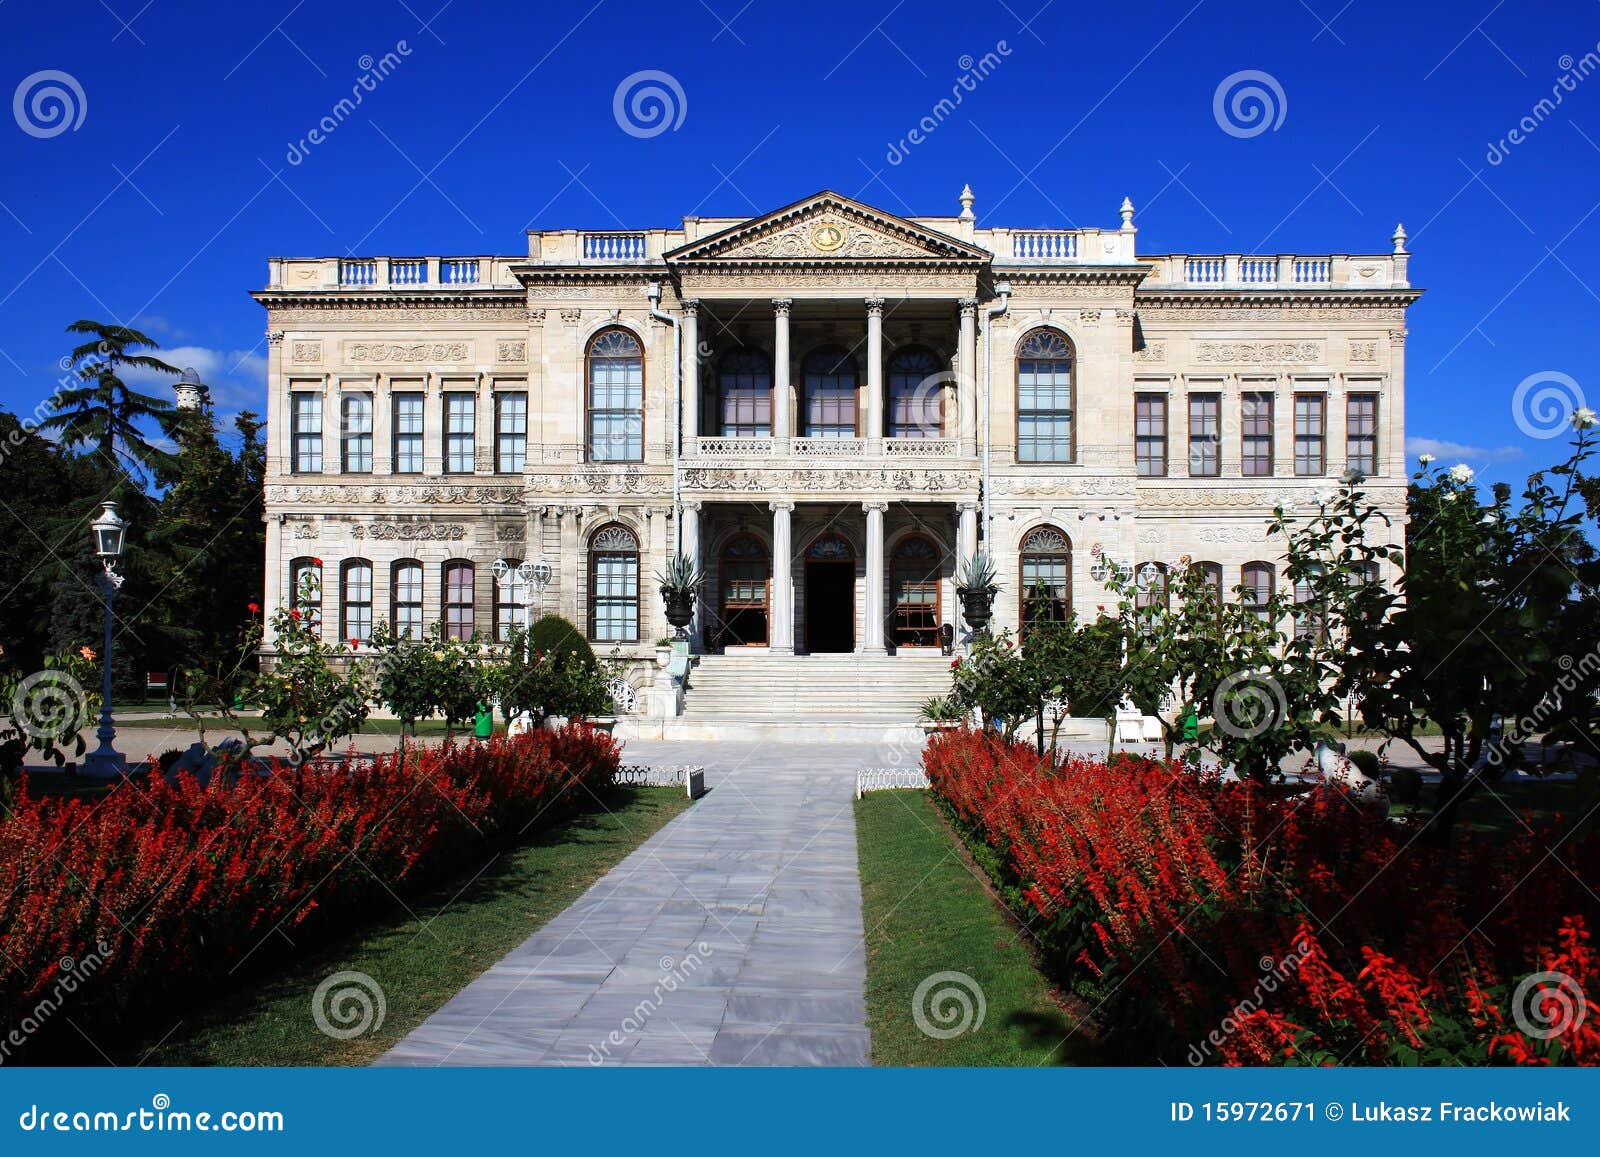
x=408, y=433
x=408, y=599
x=1044, y=410
x=356, y=433
x=1205, y=435
x=460, y=413
x=306, y=420
x=616, y=597
x=510, y=602
x=458, y=578
x=511, y=432
x=1150, y=435
x=356, y=609
x=1361, y=438
x=1255, y=434
x=1308, y=434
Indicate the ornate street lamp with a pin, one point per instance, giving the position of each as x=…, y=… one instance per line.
x=107, y=534
x=529, y=576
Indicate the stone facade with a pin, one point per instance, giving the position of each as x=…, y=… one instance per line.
x=869, y=397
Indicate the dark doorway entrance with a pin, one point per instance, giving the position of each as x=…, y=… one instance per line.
x=830, y=578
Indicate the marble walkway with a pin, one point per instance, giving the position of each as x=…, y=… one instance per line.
x=732, y=936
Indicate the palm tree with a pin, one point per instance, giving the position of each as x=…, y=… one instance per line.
x=104, y=412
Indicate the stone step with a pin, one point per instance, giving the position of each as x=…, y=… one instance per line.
x=867, y=691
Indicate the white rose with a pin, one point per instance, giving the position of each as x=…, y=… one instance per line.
x=1425, y=459
x=1583, y=417
x=1461, y=473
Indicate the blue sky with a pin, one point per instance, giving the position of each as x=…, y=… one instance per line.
x=161, y=204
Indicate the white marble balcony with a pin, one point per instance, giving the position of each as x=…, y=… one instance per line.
x=717, y=450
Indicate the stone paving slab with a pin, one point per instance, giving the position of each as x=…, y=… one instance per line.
x=732, y=936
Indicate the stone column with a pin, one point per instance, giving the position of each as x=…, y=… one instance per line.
x=689, y=546
x=782, y=408
x=874, y=368
x=432, y=427
x=382, y=427
x=873, y=603
x=966, y=547
x=691, y=373
x=272, y=595
x=780, y=629
x=966, y=377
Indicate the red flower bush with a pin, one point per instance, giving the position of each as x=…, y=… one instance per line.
x=1235, y=923
x=169, y=885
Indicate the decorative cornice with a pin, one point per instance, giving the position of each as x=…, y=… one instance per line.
x=1189, y=298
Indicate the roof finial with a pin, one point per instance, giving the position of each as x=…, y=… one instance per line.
x=1127, y=212
x=966, y=202
x=1399, y=238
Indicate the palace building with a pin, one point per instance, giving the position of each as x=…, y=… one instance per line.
x=831, y=407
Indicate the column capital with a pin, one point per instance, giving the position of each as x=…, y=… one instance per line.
x=869, y=507
x=274, y=337
x=691, y=506
x=780, y=306
x=874, y=305
x=780, y=504
x=967, y=507
x=691, y=306
x=968, y=306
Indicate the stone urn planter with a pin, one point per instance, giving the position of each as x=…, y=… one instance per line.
x=663, y=657
x=977, y=607
x=680, y=608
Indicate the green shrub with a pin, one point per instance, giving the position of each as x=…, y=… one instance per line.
x=1366, y=762
x=554, y=635
x=1405, y=785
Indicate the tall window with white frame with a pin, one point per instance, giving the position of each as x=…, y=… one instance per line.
x=460, y=415
x=830, y=387
x=1255, y=433
x=1309, y=433
x=510, y=432
x=1361, y=438
x=356, y=433
x=305, y=591
x=1205, y=435
x=407, y=433
x=744, y=393
x=1257, y=579
x=305, y=419
x=355, y=600
x=1044, y=580
x=615, y=397
x=614, y=585
x=407, y=598
x=458, y=603
x=1150, y=435
x=916, y=393
x=1045, y=398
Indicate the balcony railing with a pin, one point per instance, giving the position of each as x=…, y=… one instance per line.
x=825, y=449
x=614, y=246
x=384, y=273
x=1281, y=271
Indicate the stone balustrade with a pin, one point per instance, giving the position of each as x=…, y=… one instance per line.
x=1276, y=271
x=408, y=274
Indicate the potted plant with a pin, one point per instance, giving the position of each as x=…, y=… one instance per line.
x=663, y=651
x=941, y=713
x=976, y=587
x=680, y=584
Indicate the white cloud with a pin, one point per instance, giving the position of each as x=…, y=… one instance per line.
x=237, y=379
x=1460, y=451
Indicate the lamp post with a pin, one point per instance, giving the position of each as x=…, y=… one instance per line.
x=529, y=575
x=107, y=534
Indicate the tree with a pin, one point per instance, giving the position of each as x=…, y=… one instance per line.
x=103, y=412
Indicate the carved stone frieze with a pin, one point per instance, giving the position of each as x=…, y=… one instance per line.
x=1256, y=353
x=308, y=314
x=407, y=352
x=426, y=492
x=1363, y=351
x=410, y=531
x=306, y=352
x=511, y=351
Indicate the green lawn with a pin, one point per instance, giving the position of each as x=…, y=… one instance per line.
x=420, y=963
x=926, y=913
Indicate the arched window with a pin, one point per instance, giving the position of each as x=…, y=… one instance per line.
x=614, y=585
x=830, y=548
x=1309, y=621
x=914, y=592
x=746, y=571
x=916, y=390
x=305, y=590
x=1045, y=581
x=1044, y=398
x=616, y=397
x=355, y=599
x=1211, y=574
x=829, y=404
x=1258, y=582
x=744, y=394
x=510, y=601
x=459, y=578
x=406, y=593
x=1151, y=593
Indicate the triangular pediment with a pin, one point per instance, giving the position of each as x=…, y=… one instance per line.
x=827, y=227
